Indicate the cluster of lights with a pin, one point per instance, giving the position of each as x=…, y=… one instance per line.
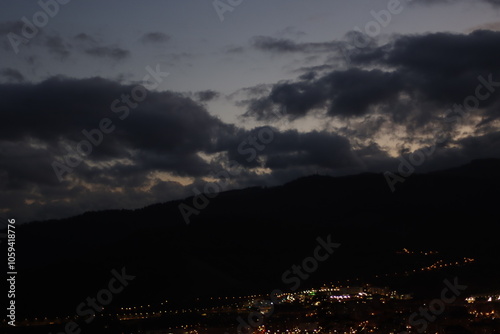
x=406, y=251
x=473, y=299
x=341, y=297
x=484, y=314
x=439, y=264
x=239, y=297
x=146, y=311
x=286, y=297
x=435, y=266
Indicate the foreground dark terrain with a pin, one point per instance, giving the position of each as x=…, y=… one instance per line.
x=396, y=251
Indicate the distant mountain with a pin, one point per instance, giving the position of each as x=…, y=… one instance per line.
x=244, y=240
x=480, y=168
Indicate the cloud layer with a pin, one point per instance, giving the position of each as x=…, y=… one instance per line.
x=162, y=145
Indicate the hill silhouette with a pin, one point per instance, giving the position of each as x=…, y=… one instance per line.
x=244, y=240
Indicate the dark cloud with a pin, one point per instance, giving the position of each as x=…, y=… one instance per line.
x=313, y=149
x=58, y=47
x=83, y=37
x=155, y=37
x=284, y=45
x=289, y=150
x=254, y=90
x=343, y=93
x=43, y=122
x=112, y=52
x=405, y=90
x=272, y=44
x=95, y=48
x=444, y=53
x=62, y=48
x=12, y=75
x=59, y=109
x=413, y=81
x=353, y=92
x=441, y=68
x=313, y=70
x=206, y=95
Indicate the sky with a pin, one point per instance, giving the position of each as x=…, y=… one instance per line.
x=123, y=104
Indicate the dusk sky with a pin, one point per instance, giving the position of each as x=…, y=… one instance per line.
x=321, y=86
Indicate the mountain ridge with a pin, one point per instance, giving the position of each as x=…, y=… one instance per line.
x=244, y=240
